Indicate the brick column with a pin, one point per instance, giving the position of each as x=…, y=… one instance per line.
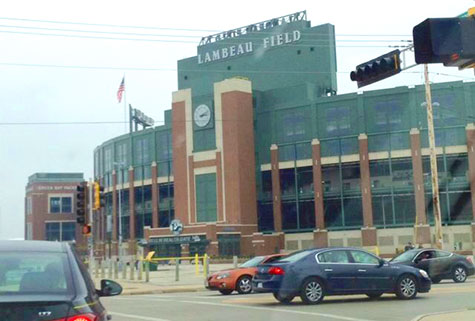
x=421, y=228
x=131, y=212
x=155, y=209
x=470, y=131
x=320, y=234
x=368, y=232
x=276, y=193
x=114, y=213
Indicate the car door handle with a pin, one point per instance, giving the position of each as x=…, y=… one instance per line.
x=361, y=270
x=328, y=270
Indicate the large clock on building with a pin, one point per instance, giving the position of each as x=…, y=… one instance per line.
x=202, y=115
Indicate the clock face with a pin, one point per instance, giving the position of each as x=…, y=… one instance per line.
x=202, y=115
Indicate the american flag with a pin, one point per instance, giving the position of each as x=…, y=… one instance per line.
x=121, y=90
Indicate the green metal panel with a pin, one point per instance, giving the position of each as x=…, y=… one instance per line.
x=206, y=208
x=312, y=58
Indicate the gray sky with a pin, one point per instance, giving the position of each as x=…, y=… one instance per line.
x=49, y=94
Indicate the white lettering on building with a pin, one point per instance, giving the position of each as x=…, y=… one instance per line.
x=247, y=47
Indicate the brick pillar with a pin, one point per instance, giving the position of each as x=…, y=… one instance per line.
x=320, y=234
x=276, y=193
x=470, y=131
x=155, y=209
x=114, y=213
x=131, y=212
x=421, y=228
x=368, y=232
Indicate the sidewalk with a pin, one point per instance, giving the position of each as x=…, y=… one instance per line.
x=163, y=280
x=463, y=315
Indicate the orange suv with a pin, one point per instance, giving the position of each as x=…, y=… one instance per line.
x=238, y=279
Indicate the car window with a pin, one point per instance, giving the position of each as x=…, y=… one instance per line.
x=338, y=256
x=294, y=257
x=405, y=256
x=34, y=273
x=252, y=262
x=442, y=254
x=363, y=257
x=425, y=255
x=273, y=259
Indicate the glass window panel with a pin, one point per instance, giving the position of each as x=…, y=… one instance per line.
x=289, y=216
x=405, y=209
x=265, y=218
x=353, y=211
x=266, y=184
x=68, y=231
x=460, y=207
x=333, y=212
x=305, y=181
x=331, y=180
x=306, y=215
x=53, y=232
x=55, y=205
x=287, y=182
x=364, y=258
x=66, y=205
x=351, y=177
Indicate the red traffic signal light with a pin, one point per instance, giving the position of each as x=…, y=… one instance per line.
x=86, y=229
x=377, y=69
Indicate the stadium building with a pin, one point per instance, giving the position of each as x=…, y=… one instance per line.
x=258, y=154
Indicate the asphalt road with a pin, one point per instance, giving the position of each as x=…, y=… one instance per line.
x=199, y=306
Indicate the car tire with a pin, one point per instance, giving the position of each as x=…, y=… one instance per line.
x=244, y=285
x=312, y=291
x=459, y=274
x=283, y=299
x=226, y=291
x=436, y=280
x=406, y=287
x=375, y=295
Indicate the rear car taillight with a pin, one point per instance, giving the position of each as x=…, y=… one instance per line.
x=83, y=317
x=470, y=260
x=275, y=270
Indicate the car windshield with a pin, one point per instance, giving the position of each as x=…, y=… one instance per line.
x=34, y=273
x=294, y=257
x=252, y=262
x=405, y=256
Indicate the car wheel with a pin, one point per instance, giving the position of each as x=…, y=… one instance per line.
x=283, y=299
x=375, y=295
x=406, y=287
x=226, y=291
x=436, y=280
x=312, y=291
x=244, y=285
x=459, y=275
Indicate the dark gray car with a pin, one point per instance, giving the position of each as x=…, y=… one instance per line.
x=46, y=281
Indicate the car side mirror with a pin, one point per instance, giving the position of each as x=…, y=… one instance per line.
x=109, y=288
x=381, y=262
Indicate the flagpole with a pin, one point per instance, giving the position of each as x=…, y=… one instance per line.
x=125, y=107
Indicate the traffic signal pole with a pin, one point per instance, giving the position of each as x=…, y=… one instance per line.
x=433, y=162
x=90, y=241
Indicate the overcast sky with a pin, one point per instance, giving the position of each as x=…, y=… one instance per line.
x=33, y=90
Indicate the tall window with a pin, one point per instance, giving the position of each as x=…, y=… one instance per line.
x=338, y=121
x=59, y=204
x=29, y=205
x=206, y=198
x=294, y=125
x=142, y=151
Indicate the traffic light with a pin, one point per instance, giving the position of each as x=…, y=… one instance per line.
x=98, y=196
x=86, y=229
x=377, y=69
x=450, y=41
x=81, y=199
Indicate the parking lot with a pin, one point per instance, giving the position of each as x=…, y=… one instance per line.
x=206, y=305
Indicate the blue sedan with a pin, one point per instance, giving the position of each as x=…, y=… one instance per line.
x=312, y=274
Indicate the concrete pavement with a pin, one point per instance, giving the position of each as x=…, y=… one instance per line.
x=197, y=306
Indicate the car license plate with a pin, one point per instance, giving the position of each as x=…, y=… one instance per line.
x=259, y=285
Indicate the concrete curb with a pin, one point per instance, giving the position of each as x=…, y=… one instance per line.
x=162, y=291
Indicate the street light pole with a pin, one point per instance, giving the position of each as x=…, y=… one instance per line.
x=433, y=162
x=121, y=167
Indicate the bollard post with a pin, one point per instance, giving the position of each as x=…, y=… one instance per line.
x=235, y=262
x=103, y=272
x=116, y=270
x=96, y=268
x=109, y=269
x=177, y=270
x=197, y=267
x=205, y=265
x=147, y=271
x=140, y=271
x=131, y=266
x=124, y=269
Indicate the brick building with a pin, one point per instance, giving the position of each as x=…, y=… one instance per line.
x=258, y=154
